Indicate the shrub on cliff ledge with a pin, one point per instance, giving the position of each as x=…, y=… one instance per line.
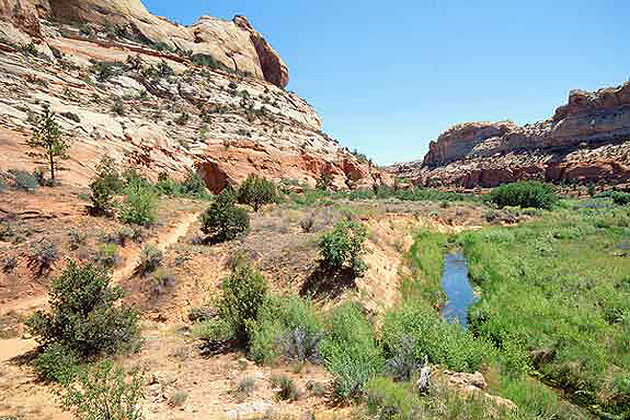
x=257, y=191
x=224, y=220
x=524, y=194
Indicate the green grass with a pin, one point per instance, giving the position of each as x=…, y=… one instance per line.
x=558, y=291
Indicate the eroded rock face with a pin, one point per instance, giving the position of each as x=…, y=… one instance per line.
x=224, y=124
x=586, y=140
x=235, y=45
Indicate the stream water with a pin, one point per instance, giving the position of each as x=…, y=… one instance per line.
x=459, y=291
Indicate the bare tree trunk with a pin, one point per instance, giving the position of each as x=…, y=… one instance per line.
x=52, y=164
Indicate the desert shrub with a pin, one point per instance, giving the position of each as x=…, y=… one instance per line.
x=140, y=204
x=257, y=191
x=243, y=294
x=182, y=119
x=77, y=238
x=9, y=264
x=315, y=388
x=84, y=315
x=118, y=107
x=524, y=194
x=387, y=399
x=207, y=60
x=621, y=198
x=42, y=256
x=287, y=390
x=107, y=255
x=307, y=224
x=178, y=398
x=166, y=185
x=193, y=185
x=105, y=185
x=57, y=363
x=105, y=392
x=23, y=180
x=105, y=70
x=403, y=362
x=324, y=182
x=245, y=387
x=286, y=326
x=162, y=46
x=126, y=233
x=341, y=248
x=224, y=220
x=350, y=352
x=442, y=343
x=150, y=259
x=213, y=330
x=162, y=280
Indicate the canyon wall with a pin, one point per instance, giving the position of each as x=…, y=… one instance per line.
x=160, y=96
x=586, y=140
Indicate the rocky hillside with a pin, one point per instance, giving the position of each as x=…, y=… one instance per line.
x=160, y=96
x=586, y=140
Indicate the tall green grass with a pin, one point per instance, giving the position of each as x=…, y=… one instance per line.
x=557, y=292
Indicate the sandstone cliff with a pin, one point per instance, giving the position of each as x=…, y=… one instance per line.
x=160, y=96
x=586, y=140
x=236, y=45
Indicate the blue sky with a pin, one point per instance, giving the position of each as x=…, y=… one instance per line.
x=388, y=77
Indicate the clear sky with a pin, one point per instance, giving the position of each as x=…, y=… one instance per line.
x=388, y=77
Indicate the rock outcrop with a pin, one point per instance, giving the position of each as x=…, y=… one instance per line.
x=161, y=109
x=586, y=140
x=234, y=45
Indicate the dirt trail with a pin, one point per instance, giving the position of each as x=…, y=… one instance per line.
x=121, y=273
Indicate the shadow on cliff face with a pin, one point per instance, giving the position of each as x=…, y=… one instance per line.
x=329, y=283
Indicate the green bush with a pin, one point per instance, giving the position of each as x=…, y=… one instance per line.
x=166, y=185
x=286, y=388
x=57, y=363
x=84, y=315
x=140, y=204
x=224, y=220
x=107, y=255
x=150, y=259
x=193, y=185
x=350, y=352
x=390, y=400
x=621, y=198
x=257, y=191
x=443, y=343
x=524, y=194
x=105, y=392
x=243, y=294
x=341, y=248
x=42, y=256
x=286, y=326
x=23, y=180
x=105, y=185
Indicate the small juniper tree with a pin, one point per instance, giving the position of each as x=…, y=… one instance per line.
x=84, y=314
x=104, y=186
x=49, y=142
x=257, y=191
x=224, y=220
